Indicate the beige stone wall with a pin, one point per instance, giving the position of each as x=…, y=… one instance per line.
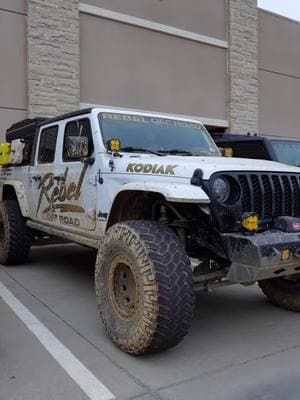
x=242, y=66
x=53, y=57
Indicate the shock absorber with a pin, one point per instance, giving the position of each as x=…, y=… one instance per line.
x=163, y=215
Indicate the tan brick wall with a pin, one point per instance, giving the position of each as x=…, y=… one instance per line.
x=243, y=66
x=53, y=56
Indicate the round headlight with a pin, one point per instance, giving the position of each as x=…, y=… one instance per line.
x=221, y=189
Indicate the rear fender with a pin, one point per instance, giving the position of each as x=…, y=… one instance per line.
x=20, y=195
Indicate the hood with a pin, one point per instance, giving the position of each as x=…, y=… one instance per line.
x=184, y=166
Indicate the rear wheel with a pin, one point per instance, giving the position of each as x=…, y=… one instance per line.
x=283, y=292
x=144, y=287
x=15, y=236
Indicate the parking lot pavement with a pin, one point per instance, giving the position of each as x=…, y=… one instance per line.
x=239, y=347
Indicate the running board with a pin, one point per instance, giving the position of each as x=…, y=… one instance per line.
x=70, y=236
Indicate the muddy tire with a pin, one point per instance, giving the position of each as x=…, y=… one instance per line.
x=144, y=287
x=15, y=236
x=283, y=292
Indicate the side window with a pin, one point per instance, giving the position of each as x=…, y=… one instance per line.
x=251, y=149
x=47, y=145
x=80, y=127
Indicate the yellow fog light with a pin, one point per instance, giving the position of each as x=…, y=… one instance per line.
x=228, y=152
x=285, y=254
x=114, y=145
x=250, y=222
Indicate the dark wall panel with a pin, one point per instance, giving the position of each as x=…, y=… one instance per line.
x=18, y=6
x=12, y=66
x=202, y=16
x=126, y=66
x=279, y=100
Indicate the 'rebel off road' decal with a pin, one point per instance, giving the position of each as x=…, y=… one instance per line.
x=59, y=196
x=151, y=168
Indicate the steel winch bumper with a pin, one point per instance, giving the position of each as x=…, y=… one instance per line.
x=261, y=256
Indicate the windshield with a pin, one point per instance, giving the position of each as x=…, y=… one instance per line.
x=138, y=132
x=287, y=151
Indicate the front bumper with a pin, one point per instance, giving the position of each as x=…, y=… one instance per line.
x=259, y=256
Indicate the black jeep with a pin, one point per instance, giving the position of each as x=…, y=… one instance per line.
x=274, y=148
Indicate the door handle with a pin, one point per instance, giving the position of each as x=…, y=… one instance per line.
x=60, y=178
x=36, y=178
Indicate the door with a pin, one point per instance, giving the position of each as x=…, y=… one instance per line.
x=42, y=175
x=74, y=199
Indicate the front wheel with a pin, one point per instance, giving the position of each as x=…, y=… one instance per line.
x=144, y=287
x=283, y=292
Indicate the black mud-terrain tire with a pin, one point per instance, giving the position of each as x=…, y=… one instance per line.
x=144, y=287
x=283, y=292
x=15, y=236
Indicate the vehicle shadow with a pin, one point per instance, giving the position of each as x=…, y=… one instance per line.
x=232, y=325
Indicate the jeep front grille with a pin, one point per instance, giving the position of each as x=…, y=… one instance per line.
x=270, y=195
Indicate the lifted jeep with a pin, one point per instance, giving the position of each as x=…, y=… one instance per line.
x=167, y=214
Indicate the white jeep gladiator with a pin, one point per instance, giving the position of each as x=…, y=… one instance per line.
x=167, y=214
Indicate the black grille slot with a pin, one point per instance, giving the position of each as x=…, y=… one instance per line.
x=245, y=193
x=269, y=200
x=257, y=194
x=270, y=195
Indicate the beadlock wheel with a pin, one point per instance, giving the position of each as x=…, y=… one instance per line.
x=123, y=287
x=144, y=287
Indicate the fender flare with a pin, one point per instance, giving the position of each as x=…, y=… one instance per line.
x=173, y=192
x=20, y=194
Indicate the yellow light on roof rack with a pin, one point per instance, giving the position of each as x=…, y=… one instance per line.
x=285, y=254
x=228, y=152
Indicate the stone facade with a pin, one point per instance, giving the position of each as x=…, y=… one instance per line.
x=243, y=66
x=53, y=61
x=53, y=57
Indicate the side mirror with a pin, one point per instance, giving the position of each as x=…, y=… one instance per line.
x=77, y=147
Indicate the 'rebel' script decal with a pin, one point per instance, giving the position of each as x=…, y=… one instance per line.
x=151, y=168
x=57, y=194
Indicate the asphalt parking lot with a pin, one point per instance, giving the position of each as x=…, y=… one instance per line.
x=239, y=346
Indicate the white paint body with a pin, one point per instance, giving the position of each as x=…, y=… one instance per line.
x=108, y=176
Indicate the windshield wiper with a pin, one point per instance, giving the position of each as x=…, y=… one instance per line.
x=177, y=151
x=140, y=149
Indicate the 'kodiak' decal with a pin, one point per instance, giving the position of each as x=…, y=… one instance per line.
x=57, y=194
x=151, y=168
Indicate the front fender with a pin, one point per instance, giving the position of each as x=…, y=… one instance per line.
x=174, y=192
x=20, y=194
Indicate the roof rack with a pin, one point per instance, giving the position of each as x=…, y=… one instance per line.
x=24, y=129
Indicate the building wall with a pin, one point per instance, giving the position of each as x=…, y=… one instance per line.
x=142, y=67
x=197, y=57
x=279, y=75
x=13, y=87
x=132, y=67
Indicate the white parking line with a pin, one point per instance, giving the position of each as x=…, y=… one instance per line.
x=94, y=389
